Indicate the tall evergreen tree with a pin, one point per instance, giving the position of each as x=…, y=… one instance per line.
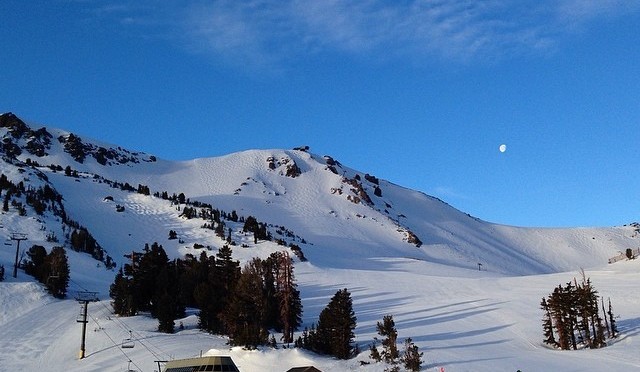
x=337, y=321
x=206, y=295
x=121, y=296
x=152, y=262
x=289, y=301
x=223, y=280
x=57, y=280
x=167, y=306
x=547, y=324
x=244, y=314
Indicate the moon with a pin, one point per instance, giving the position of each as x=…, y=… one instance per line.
x=502, y=148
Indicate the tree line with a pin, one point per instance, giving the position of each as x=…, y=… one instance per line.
x=241, y=303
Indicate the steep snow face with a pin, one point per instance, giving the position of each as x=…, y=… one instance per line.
x=351, y=217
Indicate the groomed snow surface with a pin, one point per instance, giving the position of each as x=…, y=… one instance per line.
x=462, y=319
x=480, y=322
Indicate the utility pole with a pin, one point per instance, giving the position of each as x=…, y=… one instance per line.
x=84, y=298
x=17, y=237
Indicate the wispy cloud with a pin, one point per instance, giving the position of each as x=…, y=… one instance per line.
x=448, y=193
x=271, y=33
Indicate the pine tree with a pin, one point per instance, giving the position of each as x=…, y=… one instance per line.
x=606, y=321
x=612, y=321
x=223, y=280
x=558, y=316
x=583, y=305
x=547, y=324
x=152, y=262
x=243, y=317
x=206, y=294
x=35, y=265
x=336, y=324
x=388, y=330
x=167, y=307
x=120, y=293
x=57, y=279
x=289, y=303
x=374, y=353
x=411, y=356
x=573, y=312
x=165, y=312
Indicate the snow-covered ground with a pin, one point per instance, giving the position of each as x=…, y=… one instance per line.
x=471, y=322
x=462, y=319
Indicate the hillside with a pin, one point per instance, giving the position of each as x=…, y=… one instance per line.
x=398, y=251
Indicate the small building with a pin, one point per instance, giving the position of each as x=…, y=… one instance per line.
x=206, y=363
x=304, y=369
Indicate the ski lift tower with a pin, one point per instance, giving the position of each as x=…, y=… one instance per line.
x=17, y=237
x=84, y=297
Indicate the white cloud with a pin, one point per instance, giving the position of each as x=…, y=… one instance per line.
x=269, y=33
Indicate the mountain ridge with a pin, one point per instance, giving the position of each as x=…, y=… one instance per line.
x=312, y=195
x=466, y=291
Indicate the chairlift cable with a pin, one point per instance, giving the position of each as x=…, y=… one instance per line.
x=115, y=344
x=136, y=334
x=126, y=328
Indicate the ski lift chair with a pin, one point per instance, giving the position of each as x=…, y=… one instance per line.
x=128, y=343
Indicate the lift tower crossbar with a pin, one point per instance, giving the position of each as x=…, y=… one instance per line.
x=17, y=237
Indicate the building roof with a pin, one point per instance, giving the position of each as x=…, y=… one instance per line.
x=304, y=369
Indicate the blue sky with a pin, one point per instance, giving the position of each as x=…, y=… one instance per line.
x=420, y=93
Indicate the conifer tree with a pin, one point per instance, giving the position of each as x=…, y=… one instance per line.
x=167, y=307
x=547, y=324
x=290, y=305
x=243, y=317
x=387, y=329
x=336, y=324
x=223, y=277
x=152, y=262
x=34, y=265
x=120, y=293
x=374, y=353
x=606, y=321
x=57, y=279
x=573, y=313
x=411, y=356
x=612, y=321
x=207, y=295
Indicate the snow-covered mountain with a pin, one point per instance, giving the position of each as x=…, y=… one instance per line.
x=398, y=251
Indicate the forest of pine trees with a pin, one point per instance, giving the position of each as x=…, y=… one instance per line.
x=572, y=317
x=244, y=304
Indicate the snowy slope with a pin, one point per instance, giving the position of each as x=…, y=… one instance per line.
x=462, y=318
